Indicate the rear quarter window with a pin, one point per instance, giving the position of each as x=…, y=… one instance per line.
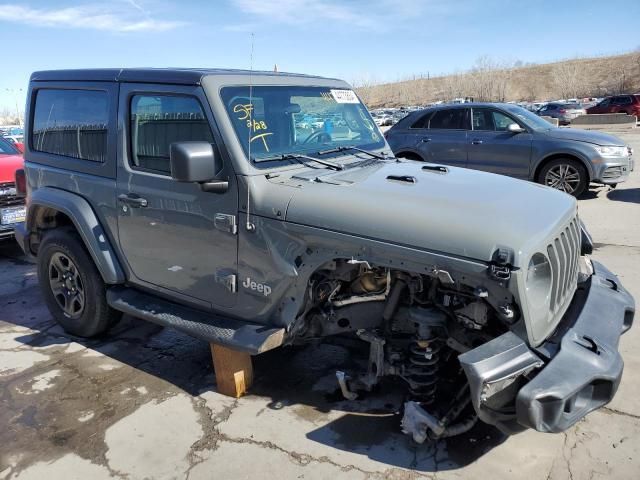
x=71, y=123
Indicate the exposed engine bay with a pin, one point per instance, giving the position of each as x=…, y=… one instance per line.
x=415, y=326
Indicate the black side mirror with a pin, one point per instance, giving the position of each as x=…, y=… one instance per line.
x=197, y=162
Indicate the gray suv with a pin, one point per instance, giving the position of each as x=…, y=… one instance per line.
x=509, y=140
x=256, y=210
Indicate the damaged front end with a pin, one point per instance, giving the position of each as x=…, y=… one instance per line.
x=415, y=327
x=459, y=343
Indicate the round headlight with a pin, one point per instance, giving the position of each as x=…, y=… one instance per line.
x=539, y=279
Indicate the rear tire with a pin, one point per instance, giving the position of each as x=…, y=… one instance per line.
x=564, y=174
x=72, y=287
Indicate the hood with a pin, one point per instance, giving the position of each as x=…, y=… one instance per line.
x=461, y=212
x=588, y=136
x=8, y=166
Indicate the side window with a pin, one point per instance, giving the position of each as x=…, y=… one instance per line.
x=626, y=100
x=72, y=123
x=605, y=102
x=482, y=119
x=501, y=121
x=423, y=121
x=453, y=119
x=157, y=121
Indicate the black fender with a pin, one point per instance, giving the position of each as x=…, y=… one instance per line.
x=79, y=211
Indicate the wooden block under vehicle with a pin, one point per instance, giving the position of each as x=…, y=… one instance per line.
x=234, y=370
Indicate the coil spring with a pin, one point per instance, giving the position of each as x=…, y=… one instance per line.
x=423, y=370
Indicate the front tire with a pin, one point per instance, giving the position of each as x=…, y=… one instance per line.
x=564, y=174
x=72, y=287
x=410, y=156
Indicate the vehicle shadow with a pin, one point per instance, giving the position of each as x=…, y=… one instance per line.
x=298, y=377
x=370, y=425
x=629, y=195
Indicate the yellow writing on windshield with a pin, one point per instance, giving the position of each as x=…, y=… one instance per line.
x=244, y=112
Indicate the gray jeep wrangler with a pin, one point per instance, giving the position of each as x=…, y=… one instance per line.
x=255, y=210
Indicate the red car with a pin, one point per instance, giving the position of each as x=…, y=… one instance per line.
x=629, y=104
x=12, y=208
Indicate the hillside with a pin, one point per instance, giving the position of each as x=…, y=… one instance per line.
x=491, y=81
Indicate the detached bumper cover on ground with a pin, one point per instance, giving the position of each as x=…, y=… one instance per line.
x=581, y=372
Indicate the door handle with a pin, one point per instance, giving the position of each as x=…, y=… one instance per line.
x=133, y=200
x=425, y=140
x=476, y=141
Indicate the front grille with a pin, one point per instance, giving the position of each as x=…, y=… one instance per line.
x=612, y=172
x=8, y=197
x=563, y=252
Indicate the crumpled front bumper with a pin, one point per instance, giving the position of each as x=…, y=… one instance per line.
x=577, y=371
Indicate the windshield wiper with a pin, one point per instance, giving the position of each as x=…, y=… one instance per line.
x=350, y=147
x=297, y=157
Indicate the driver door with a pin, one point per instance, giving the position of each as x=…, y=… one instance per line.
x=175, y=237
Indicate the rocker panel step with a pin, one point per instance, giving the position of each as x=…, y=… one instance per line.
x=235, y=334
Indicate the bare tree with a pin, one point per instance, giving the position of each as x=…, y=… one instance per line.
x=570, y=80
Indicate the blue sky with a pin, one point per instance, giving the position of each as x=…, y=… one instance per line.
x=350, y=39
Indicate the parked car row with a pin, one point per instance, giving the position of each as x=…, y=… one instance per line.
x=13, y=134
x=564, y=112
x=510, y=140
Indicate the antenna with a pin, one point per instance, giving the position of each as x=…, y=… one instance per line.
x=250, y=226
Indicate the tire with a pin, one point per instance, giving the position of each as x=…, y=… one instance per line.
x=410, y=156
x=572, y=171
x=72, y=287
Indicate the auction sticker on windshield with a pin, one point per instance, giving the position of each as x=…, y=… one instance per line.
x=344, y=96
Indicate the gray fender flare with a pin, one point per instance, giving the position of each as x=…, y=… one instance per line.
x=86, y=222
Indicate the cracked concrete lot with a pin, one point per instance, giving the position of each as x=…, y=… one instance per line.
x=142, y=403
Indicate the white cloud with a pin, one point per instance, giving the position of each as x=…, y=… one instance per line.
x=361, y=14
x=114, y=18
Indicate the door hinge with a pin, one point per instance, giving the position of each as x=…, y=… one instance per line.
x=228, y=280
x=226, y=223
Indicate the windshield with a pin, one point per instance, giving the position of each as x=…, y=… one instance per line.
x=530, y=119
x=280, y=120
x=7, y=148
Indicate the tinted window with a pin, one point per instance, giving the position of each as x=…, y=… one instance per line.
x=485, y=119
x=157, y=121
x=453, y=119
x=422, y=122
x=7, y=148
x=482, y=119
x=72, y=123
x=501, y=121
x=623, y=100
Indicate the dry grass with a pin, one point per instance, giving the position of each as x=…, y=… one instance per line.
x=585, y=77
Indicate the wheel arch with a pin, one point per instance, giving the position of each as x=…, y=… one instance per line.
x=410, y=154
x=549, y=158
x=52, y=208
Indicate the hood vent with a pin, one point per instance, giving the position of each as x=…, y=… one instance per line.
x=436, y=169
x=402, y=178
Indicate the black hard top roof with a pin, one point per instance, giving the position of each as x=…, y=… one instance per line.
x=183, y=76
